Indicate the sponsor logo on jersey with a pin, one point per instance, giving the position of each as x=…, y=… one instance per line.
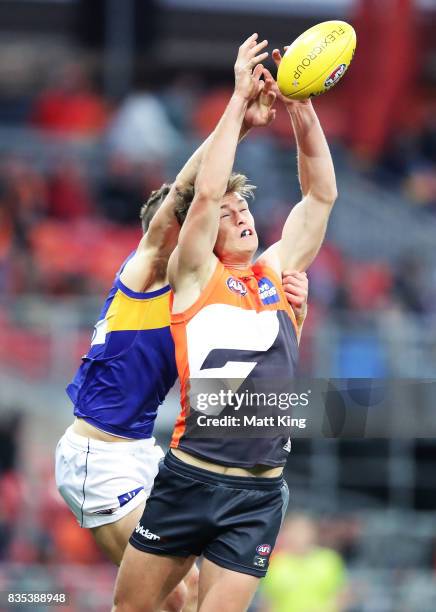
x=263, y=550
x=267, y=292
x=237, y=286
x=260, y=561
x=104, y=512
x=126, y=497
x=100, y=330
x=335, y=75
x=287, y=446
x=145, y=533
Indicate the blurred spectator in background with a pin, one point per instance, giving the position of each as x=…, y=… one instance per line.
x=11, y=481
x=180, y=99
x=71, y=107
x=24, y=196
x=411, y=285
x=126, y=186
x=141, y=130
x=69, y=195
x=23, y=204
x=303, y=577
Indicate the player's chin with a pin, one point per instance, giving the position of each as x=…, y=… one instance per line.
x=251, y=241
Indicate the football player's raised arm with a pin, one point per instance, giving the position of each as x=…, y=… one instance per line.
x=306, y=224
x=198, y=234
x=164, y=229
x=305, y=227
x=159, y=241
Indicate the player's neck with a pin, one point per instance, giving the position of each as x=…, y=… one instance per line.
x=238, y=263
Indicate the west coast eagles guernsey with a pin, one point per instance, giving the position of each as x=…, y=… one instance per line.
x=241, y=327
x=130, y=366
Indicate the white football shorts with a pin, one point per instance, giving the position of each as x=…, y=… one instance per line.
x=103, y=481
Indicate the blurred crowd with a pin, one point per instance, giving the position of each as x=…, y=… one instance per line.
x=69, y=211
x=75, y=168
x=323, y=562
x=38, y=530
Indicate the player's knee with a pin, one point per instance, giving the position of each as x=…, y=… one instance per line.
x=124, y=601
x=176, y=600
x=192, y=580
x=127, y=606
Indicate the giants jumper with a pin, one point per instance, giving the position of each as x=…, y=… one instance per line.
x=241, y=327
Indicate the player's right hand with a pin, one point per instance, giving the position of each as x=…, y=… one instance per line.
x=248, y=68
x=296, y=288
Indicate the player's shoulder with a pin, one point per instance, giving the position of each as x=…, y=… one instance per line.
x=263, y=268
x=140, y=277
x=124, y=263
x=269, y=260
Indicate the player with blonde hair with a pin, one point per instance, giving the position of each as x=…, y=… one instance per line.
x=223, y=497
x=107, y=459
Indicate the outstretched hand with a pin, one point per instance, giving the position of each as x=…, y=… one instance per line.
x=260, y=111
x=289, y=102
x=248, y=68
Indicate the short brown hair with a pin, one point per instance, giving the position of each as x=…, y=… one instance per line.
x=149, y=209
x=237, y=183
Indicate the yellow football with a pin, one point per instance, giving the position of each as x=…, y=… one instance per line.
x=316, y=60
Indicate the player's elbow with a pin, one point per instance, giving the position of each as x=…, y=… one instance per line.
x=204, y=195
x=326, y=196
x=332, y=195
x=180, y=184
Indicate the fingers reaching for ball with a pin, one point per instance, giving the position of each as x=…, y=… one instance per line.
x=277, y=57
x=248, y=67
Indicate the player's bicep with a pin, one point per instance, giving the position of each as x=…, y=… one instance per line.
x=303, y=234
x=186, y=283
x=142, y=270
x=153, y=252
x=164, y=228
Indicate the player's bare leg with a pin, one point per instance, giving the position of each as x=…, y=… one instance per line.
x=191, y=582
x=144, y=581
x=112, y=539
x=223, y=589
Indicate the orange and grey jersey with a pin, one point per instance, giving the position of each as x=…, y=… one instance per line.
x=240, y=328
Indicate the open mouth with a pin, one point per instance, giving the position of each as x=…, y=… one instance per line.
x=246, y=232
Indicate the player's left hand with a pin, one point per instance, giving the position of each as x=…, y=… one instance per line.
x=248, y=68
x=260, y=111
x=296, y=288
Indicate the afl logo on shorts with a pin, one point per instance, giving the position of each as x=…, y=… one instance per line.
x=267, y=292
x=236, y=286
x=335, y=75
x=263, y=550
